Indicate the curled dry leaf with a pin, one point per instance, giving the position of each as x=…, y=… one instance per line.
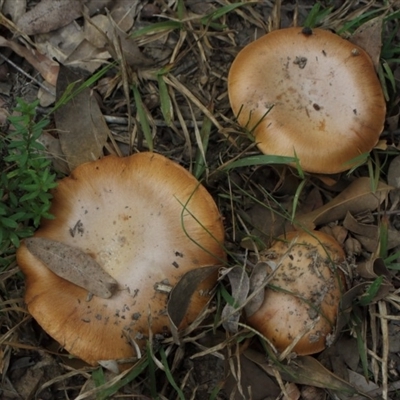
x=356, y=198
x=373, y=268
x=339, y=233
x=367, y=234
x=352, y=246
x=258, y=280
x=49, y=15
x=240, y=286
x=73, y=265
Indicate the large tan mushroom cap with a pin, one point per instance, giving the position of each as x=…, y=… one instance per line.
x=146, y=221
x=327, y=102
x=304, y=295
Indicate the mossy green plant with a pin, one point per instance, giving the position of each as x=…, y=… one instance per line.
x=26, y=178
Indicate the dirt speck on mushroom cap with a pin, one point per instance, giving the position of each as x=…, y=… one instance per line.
x=316, y=96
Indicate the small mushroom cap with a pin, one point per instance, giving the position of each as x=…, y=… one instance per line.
x=304, y=293
x=146, y=221
x=315, y=96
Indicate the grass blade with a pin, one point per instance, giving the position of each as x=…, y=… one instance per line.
x=143, y=120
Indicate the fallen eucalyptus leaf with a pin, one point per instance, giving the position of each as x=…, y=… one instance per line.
x=73, y=265
x=356, y=198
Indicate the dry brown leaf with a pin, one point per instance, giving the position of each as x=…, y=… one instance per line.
x=4, y=114
x=44, y=65
x=119, y=40
x=369, y=37
x=339, y=233
x=312, y=393
x=258, y=280
x=49, y=15
x=359, y=381
x=14, y=8
x=352, y=246
x=393, y=238
x=71, y=47
x=97, y=30
x=267, y=224
x=343, y=355
x=123, y=13
x=305, y=370
x=28, y=384
x=46, y=94
x=366, y=234
x=392, y=120
x=105, y=35
x=312, y=201
x=292, y=391
x=373, y=268
x=61, y=43
x=81, y=126
x=181, y=295
x=87, y=57
x=359, y=290
x=240, y=285
x=96, y=6
x=73, y=265
x=394, y=334
x=254, y=381
x=54, y=152
x=394, y=180
x=350, y=297
x=356, y=198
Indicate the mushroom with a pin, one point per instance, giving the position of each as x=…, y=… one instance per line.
x=301, y=300
x=308, y=94
x=146, y=221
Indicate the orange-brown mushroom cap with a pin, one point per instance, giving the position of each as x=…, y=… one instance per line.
x=146, y=221
x=315, y=96
x=304, y=294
